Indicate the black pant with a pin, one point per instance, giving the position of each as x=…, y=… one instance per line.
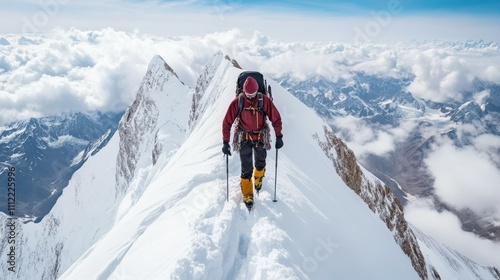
x=260, y=155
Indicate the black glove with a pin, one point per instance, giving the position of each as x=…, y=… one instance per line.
x=226, y=149
x=279, y=142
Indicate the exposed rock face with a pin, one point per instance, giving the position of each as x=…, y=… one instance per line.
x=134, y=127
x=140, y=123
x=378, y=197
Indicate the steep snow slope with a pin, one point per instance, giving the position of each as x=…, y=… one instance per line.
x=181, y=226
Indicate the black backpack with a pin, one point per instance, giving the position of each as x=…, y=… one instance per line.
x=264, y=88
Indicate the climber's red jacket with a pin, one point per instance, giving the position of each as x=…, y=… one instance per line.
x=250, y=119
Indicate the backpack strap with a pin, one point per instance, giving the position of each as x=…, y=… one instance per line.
x=260, y=104
x=241, y=102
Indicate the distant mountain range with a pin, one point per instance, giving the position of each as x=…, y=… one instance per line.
x=46, y=152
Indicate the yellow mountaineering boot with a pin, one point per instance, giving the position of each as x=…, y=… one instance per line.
x=247, y=191
x=258, y=175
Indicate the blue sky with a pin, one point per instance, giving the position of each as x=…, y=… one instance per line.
x=297, y=20
x=491, y=7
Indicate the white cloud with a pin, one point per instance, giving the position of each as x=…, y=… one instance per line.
x=440, y=72
x=466, y=177
x=102, y=69
x=64, y=73
x=364, y=138
x=446, y=73
x=489, y=144
x=491, y=73
x=92, y=70
x=446, y=228
x=439, y=76
x=480, y=97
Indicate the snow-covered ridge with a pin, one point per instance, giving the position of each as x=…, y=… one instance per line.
x=202, y=83
x=209, y=80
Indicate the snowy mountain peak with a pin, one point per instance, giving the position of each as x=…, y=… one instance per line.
x=467, y=113
x=161, y=109
x=210, y=70
x=157, y=65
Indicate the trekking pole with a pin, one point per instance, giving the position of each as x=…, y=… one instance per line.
x=275, y=176
x=227, y=178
